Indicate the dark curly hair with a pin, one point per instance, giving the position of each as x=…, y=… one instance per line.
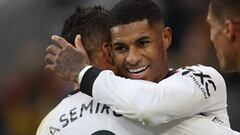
x=91, y=24
x=127, y=11
x=226, y=9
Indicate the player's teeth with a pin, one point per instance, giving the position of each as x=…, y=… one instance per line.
x=137, y=70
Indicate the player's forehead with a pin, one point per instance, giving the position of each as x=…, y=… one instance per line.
x=130, y=26
x=130, y=31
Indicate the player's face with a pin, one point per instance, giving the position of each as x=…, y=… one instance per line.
x=140, y=51
x=224, y=50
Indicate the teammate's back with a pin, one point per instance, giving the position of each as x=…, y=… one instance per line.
x=80, y=114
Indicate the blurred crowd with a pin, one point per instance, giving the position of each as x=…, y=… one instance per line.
x=28, y=93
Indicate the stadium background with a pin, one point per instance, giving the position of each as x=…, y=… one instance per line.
x=27, y=93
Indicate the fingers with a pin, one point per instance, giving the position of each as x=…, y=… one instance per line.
x=49, y=67
x=64, y=60
x=60, y=41
x=53, y=49
x=50, y=58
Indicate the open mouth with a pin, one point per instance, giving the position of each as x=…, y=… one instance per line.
x=138, y=70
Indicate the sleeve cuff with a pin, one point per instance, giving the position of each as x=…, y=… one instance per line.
x=86, y=79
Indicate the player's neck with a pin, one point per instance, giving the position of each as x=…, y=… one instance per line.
x=163, y=74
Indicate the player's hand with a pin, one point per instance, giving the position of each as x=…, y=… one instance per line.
x=64, y=60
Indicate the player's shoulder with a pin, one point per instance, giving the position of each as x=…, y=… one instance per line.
x=205, y=78
x=200, y=69
x=205, y=74
x=197, y=67
x=46, y=122
x=66, y=104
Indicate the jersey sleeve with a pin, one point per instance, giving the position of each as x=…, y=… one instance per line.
x=181, y=95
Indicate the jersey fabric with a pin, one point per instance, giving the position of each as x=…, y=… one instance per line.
x=79, y=114
x=191, y=90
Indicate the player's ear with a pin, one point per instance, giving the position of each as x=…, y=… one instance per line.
x=230, y=30
x=78, y=42
x=167, y=37
x=106, y=47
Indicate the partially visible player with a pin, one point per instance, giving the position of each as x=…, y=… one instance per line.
x=224, y=19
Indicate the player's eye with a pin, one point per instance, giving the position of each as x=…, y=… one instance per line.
x=120, y=48
x=143, y=43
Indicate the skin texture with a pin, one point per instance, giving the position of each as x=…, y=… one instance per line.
x=225, y=38
x=65, y=60
x=139, y=50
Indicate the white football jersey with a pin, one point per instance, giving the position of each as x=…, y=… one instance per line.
x=190, y=102
x=189, y=91
x=79, y=114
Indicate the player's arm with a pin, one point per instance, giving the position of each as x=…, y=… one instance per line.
x=149, y=102
x=154, y=103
